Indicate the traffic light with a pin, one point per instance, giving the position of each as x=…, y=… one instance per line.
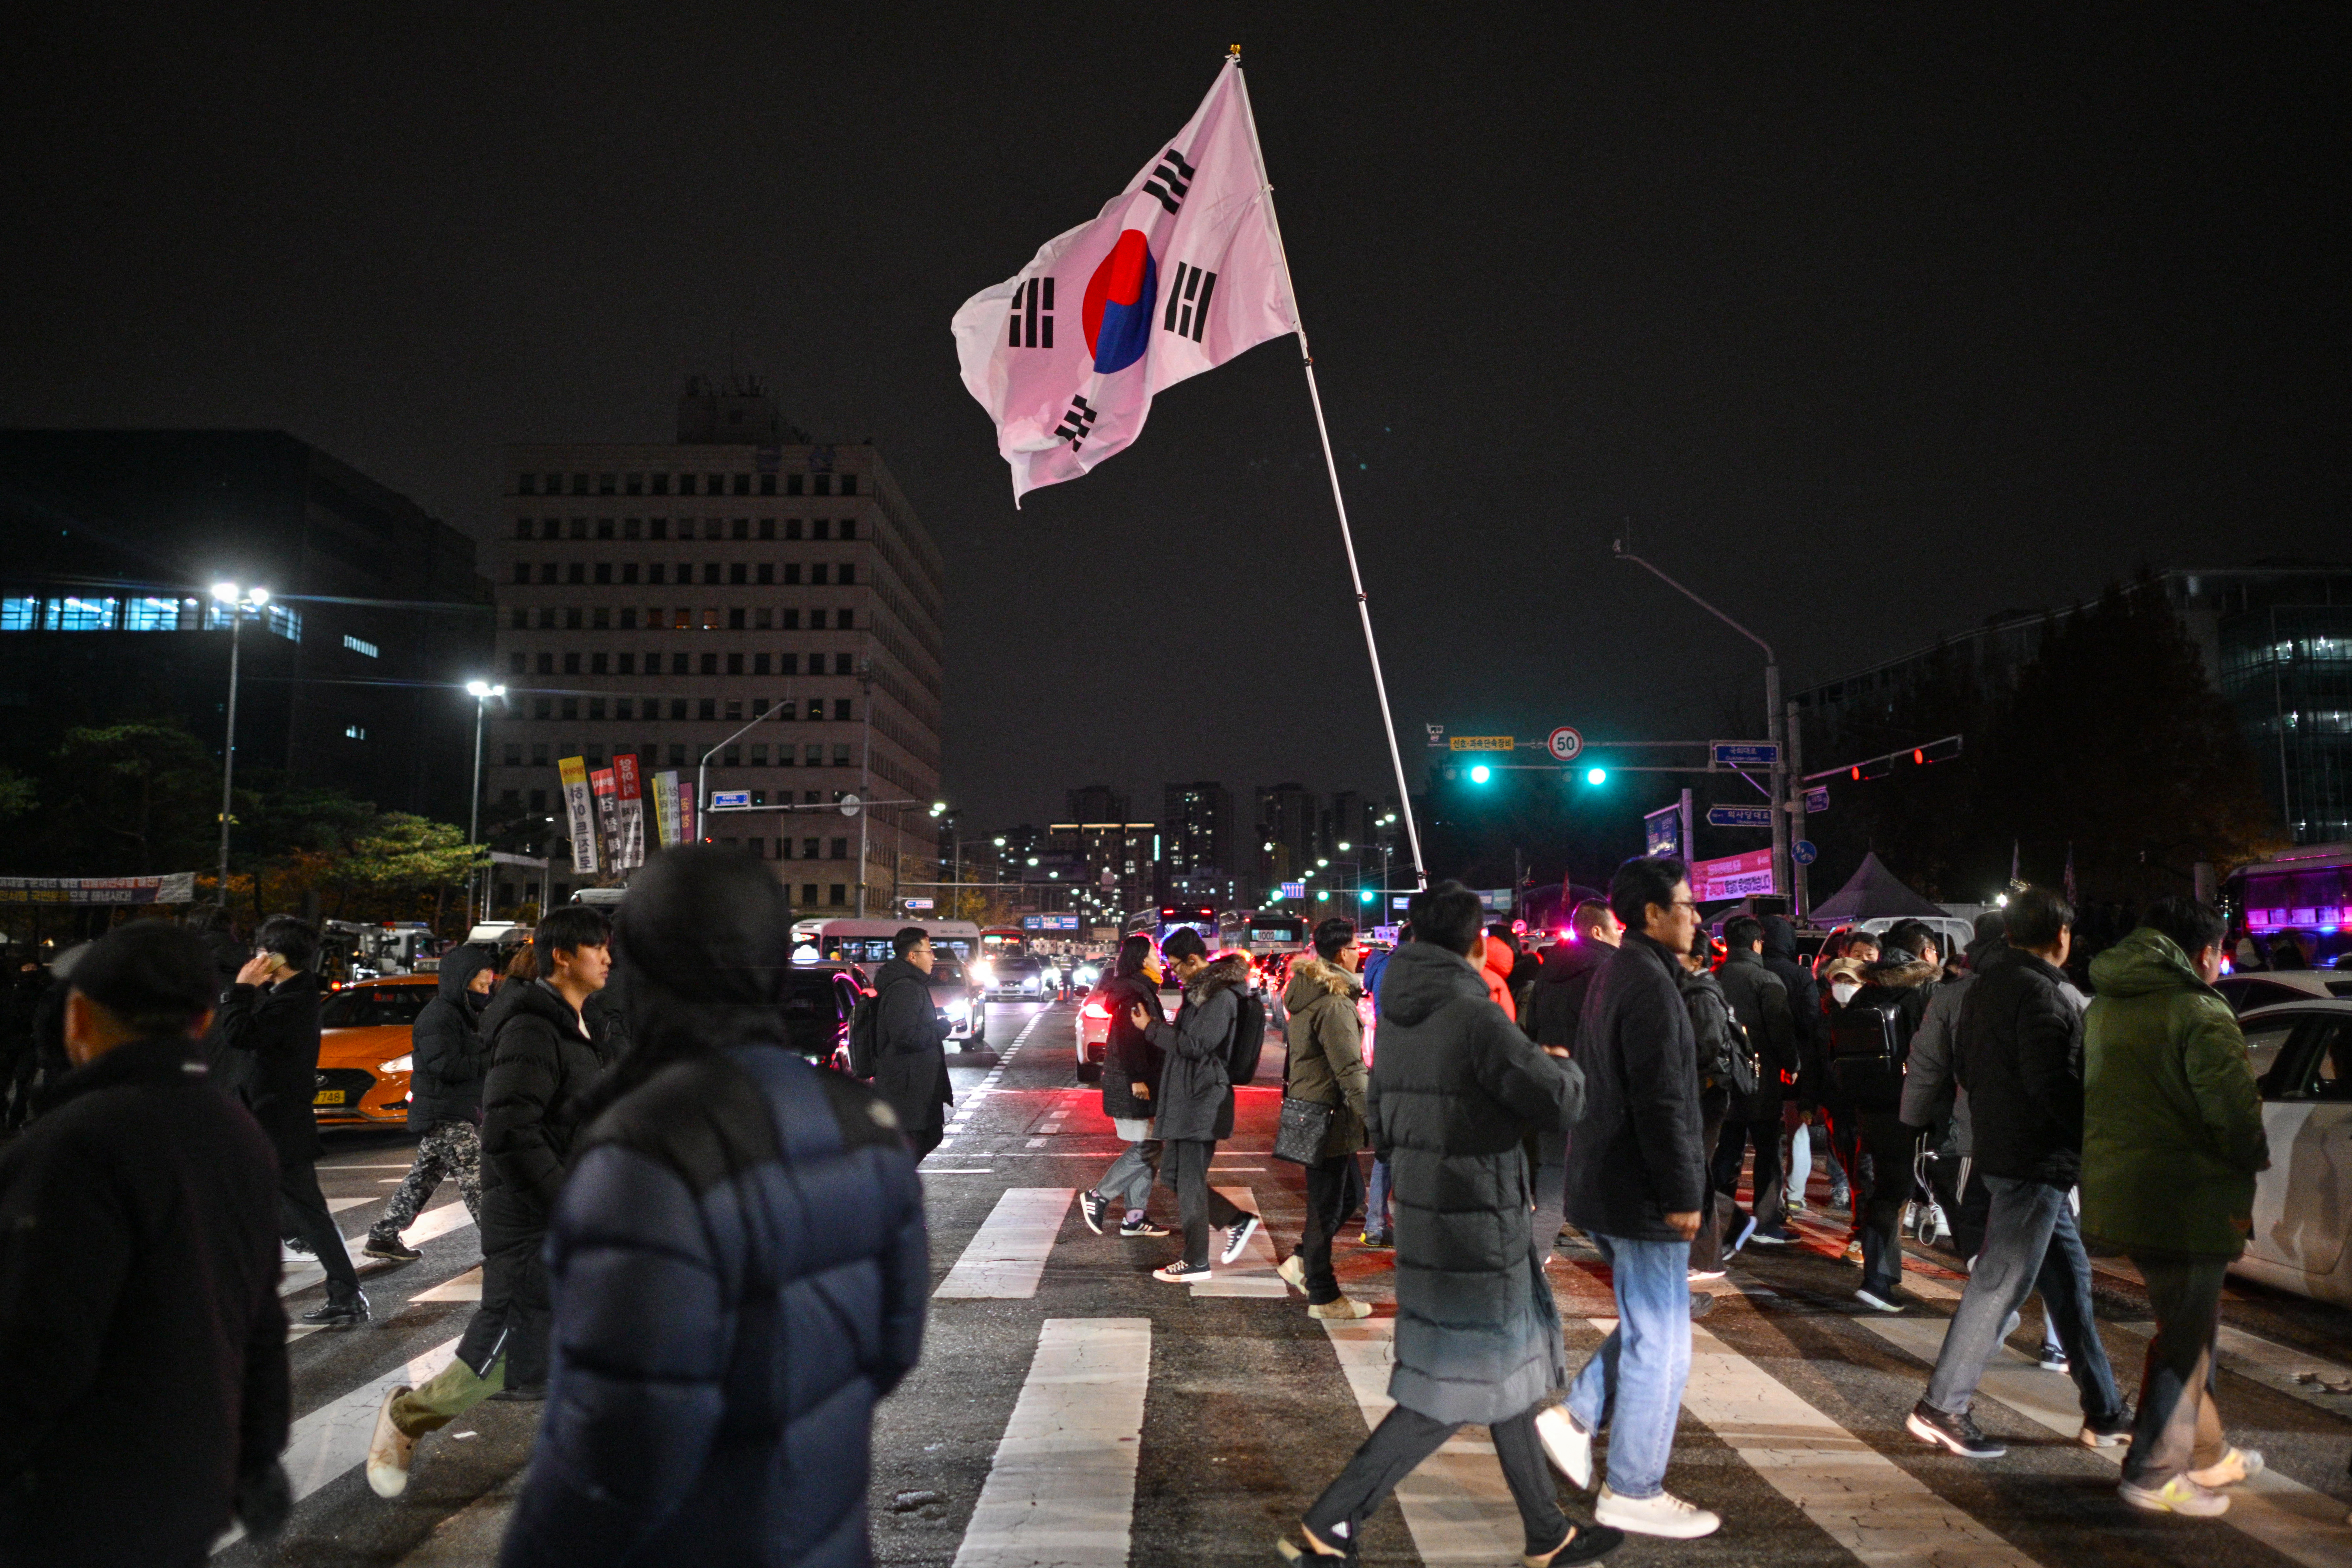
x=1364, y=896
x=1596, y=775
x=1481, y=774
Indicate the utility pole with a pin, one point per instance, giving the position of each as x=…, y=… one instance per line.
x=866, y=776
x=1801, y=899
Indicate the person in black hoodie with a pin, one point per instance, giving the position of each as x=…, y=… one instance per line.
x=270, y=1031
x=1866, y=1093
x=543, y=1060
x=1555, y=1003
x=444, y=1098
x=1131, y=1089
x=1805, y=1014
x=911, y=1059
x=1760, y=1004
x=146, y=1399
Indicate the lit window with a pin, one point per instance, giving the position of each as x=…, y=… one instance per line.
x=19, y=615
x=358, y=644
x=285, y=622
x=154, y=615
x=82, y=615
x=355, y=731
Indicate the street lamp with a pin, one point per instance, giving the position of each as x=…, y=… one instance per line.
x=481, y=691
x=238, y=601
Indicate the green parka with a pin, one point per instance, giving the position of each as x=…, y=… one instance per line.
x=1324, y=1039
x=2173, y=1125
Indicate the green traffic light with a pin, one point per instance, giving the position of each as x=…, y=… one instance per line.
x=1480, y=773
x=1365, y=897
x=1596, y=776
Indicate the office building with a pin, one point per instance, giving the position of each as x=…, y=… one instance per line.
x=1289, y=822
x=1198, y=839
x=1117, y=864
x=350, y=678
x=745, y=604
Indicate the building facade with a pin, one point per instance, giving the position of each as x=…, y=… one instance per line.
x=350, y=678
x=1199, y=840
x=743, y=604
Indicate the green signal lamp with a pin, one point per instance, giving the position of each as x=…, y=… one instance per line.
x=1481, y=774
x=1596, y=775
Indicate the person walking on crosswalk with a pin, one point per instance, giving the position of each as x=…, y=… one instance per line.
x=444, y=1098
x=1132, y=1069
x=739, y=1262
x=1456, y=1092
x=1196, y=1099
x=2172, y=1139
x=1323, y=1064
x=1636, y=1180
x=544, y=1061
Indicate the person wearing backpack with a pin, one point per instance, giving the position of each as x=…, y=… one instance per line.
x=1196, y=1096
x=911, y=1059
x=1760, y=1005
x=1869, y=1042
x=1718, y=1044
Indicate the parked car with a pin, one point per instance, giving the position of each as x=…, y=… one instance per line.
x=2266, y=988
x=2302, y=1057
x=364, y=1034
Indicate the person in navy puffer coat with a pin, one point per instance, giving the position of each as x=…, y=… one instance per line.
x=738, y=1260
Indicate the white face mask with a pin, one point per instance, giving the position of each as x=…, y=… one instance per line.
x=1843, y=991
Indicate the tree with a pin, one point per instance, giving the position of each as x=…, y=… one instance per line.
x=141, y=792
x=404, y=857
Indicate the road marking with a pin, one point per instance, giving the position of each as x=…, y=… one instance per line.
x=1251, y=1274
x=466, y=1286
x=2272, y=1366
x=2285, y=1515
x=1455, y=1505
x=1061, y=1489
x=956, y=1171
x=432, y=1223
x=1006, y=1257
x=334, y=1437
x=337, y=1206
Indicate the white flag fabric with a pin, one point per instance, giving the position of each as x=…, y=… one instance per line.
x=1177, y=274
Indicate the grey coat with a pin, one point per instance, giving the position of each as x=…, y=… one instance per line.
x=1196, y=1096
x=1456, y=1088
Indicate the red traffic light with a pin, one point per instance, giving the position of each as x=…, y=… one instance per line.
x=1918, y=757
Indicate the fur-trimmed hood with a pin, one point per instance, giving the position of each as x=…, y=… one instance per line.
x=1898, y=971
x=1226, y=973
x=1312, y=978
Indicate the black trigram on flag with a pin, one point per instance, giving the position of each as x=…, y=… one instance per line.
x=1188, y=301
x=1032, y=314
x=1075, y=423
x=1170, y=180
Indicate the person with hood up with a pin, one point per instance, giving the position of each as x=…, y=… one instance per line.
x=268, y=1026
x=146, y=1398
x=1455, y=1094
x=543, y=1060
x=717, y=1357
x=444, y=1098
x=1717, y=1041
x=1324, y=1063
x=1132, y=1066
x=1555, y=1003
x=1805, y=1013
x=1760, y=1005
x=1636, y=1182
x=2172, y=1139
x=1497, y=957
x=1196, y=1098
x=1866, y=1099
x=911, y=1058
x=2018, y=1054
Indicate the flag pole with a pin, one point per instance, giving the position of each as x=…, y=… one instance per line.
x=1331, y=465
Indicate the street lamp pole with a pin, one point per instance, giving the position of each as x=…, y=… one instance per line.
x=236, y=601
x=866, y=778
x=1773, y=722
x=481, y=691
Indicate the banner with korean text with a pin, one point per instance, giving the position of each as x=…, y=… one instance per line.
x=579, y=812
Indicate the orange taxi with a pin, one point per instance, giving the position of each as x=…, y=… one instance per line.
x=363, y=1040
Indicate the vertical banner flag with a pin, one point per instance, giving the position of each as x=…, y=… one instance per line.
x=607, y=791
x=1179, y=273
x=629, y=850
x=580, y=812
x=665, y=808
x=689, y=831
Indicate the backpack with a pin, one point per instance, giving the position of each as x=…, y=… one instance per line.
x=1248, y=1043
x=1866, y=1051
x=865, y=1033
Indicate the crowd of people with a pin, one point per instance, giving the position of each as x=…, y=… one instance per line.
x=703, y=1252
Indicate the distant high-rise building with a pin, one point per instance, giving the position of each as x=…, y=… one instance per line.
x=1129, y=852
x=1289, y=832
x=1200, y=852
x=1098, y=802
x=660, y=599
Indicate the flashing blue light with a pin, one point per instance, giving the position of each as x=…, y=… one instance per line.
x=1481, y=774
x=1596, y=775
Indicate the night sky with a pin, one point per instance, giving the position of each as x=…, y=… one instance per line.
x=1873, y=320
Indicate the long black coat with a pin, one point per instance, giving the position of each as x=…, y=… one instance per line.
x=1556, y=1000
x=1128, y=1055
x=269, y=1035
x=1760, y=1004
x=1456, y=1088
x=1804, y=1003
x=445, y=1045
x=1634, y=1156
x=1196, y=1090
x=911, y=1059
x=140, y=1325
x=2020, y=1056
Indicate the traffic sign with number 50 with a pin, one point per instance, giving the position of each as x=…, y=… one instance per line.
x=1565, y=743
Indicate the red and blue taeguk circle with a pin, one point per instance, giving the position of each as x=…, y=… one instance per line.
x=1118, y=308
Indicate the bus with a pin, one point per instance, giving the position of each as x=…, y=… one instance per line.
x=1258, y=933
x=1004, y=941
x=2305, y=892
x=847, y=939
x=1164, y=922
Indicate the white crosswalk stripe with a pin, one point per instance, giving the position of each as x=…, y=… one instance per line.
x=1061, y=1489
x=2274, y=1366
x=2284, y=1515
x=432, y=1223
x=1006, y=1257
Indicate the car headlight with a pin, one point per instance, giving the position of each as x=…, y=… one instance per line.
x=959, y=1008
x=397, y=1064
x=983, y=973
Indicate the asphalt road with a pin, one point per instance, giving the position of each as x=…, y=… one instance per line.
x=1072, y=1410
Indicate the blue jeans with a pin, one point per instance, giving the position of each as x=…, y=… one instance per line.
x=2029, y=1241
x=1634, y=1382
x=1376, y=1201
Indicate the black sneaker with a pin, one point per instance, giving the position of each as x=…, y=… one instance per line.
x=1959, y=1433
x=2107, y=1431
x=1739, y=1238
x=390, y=1247
x=1878, y=1300
x=1092, y=1207
x=336, y=1313
x=1702, y=1303
x=527, y=1394
x=1377, y=1239
x=1141, y=1227
x=1238, y=1237
x=1772, y=1236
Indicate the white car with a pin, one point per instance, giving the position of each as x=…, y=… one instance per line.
x=2302, y=1057
x=2254, y=988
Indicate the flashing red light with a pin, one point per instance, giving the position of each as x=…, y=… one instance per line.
x=1096, y=1008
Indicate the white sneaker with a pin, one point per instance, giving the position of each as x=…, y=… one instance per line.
x=2179, y=1494
x=389, y=1450
x=2236, y=1465
x=1238, y=1237
x=1664, y=1514
x=1293, y=1271
x=1567, y=1446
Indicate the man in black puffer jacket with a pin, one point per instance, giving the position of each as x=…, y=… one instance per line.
x=1760, y=1004
x=444, y=1098
x=544, y=1061
x=739, y=1263
x=1555, y=1003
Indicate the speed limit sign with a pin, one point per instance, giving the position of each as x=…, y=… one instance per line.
x=1565, y=744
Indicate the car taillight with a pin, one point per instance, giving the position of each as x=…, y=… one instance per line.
x=1095, y=1010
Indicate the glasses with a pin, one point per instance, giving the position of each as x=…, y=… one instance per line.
x=1682, y=904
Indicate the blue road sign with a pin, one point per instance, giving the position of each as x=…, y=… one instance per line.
x=1817, y=800
x=1739, y=816
x=1743, y=754
x=1294, y=889
x=725, y=799
x=1803, y=852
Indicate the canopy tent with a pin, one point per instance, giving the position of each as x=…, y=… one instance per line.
x=1871, y=893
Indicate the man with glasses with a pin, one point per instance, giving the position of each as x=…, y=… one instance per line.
x=1636, y=1180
